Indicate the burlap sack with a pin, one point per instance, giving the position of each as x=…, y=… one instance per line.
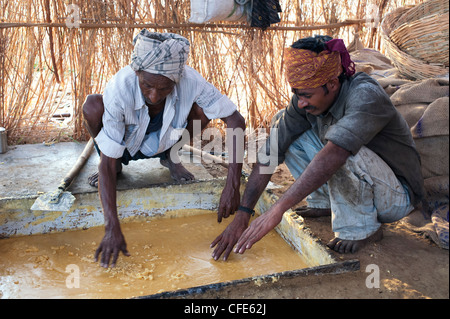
x=434, y=121
x=412, y=112
x=425, y=107
x=372, y=62
x=426, y=91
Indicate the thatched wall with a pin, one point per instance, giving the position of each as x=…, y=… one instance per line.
x=48, y=68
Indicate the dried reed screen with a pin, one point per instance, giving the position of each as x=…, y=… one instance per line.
x=47, y=69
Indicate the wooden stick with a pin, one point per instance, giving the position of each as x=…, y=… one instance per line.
x=203, y=154
x=50, y=38
x=192, y=26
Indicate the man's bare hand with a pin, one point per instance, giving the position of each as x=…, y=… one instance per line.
x=260, y=227
x=229, y=202
x=112, y=244
x=226, y=241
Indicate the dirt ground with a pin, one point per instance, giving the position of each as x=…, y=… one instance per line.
x=410, y=266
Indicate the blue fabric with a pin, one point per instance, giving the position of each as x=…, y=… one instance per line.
x=154, y=126
x=440, y=219
x=156, y=123
x=362, y=194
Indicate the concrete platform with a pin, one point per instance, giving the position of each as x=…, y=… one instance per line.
x=27, y=170
x=146, y=191
x=145, y=188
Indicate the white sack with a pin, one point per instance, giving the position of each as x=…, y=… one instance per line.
x=203, y=11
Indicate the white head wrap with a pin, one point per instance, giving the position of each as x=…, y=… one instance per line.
x=160, y=53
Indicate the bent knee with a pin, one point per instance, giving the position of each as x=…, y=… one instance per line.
x=93, y=107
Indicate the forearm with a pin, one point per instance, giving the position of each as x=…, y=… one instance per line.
x=317, y=173
x=257, y=183
x=107, y=190
x=235, y=144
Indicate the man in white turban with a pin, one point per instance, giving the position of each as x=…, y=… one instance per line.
x=142, y=114
x=160, y=53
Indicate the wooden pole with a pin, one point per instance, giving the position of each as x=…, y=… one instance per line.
x=193, y=26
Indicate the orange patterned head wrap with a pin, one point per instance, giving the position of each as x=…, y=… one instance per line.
x=309, y=70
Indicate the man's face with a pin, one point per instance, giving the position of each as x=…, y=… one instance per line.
x=154, y=87
x=319, y=100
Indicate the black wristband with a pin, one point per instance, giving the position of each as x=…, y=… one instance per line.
x=247, y=210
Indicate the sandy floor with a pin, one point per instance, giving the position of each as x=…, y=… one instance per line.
x=409, y=266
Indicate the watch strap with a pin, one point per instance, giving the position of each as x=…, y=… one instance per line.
x=247, y=210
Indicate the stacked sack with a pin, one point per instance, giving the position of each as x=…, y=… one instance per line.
x=425, y=106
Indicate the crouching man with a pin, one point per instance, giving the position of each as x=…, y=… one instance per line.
x=349, y=149
x=143, y=113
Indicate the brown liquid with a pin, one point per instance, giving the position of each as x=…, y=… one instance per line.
x=166, y=254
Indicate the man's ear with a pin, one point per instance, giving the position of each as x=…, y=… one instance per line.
x=334, y=84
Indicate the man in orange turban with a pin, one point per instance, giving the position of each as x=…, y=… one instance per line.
x=349, y=149
x=308, y=70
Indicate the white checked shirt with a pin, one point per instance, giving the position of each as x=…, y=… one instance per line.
x=126, y=117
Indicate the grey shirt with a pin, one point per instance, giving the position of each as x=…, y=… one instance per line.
x=362, y=115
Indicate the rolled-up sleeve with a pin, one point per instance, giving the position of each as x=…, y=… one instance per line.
x=367, y=112
x=110, y=140
x=215, y=105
